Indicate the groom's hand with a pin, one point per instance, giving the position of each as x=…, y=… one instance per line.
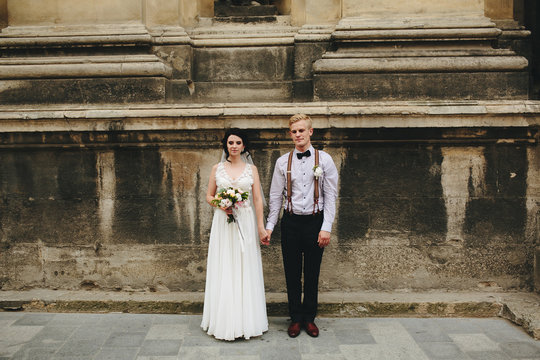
x=324, y=238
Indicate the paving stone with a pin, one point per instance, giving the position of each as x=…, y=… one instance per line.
x=443, y=351
x=519, y=350
x=125, y=339
x=34, y=320
x=378, y=352
x=353, y=336
x=160, y=348
x=51, y=336
x=78, y=348
x=198, y=352
x=474, y=342
x=286, y=352
x=325, y=343
x=172, y=319
x=34, y=353
x=117, y=354
x=167, y=332
x=488, y=355
x=458, y=326
x=323, y=357
x=425, y=331
x=68, y=320
x=95, y=333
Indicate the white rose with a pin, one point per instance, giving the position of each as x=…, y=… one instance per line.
x=238, y=197
x=230, y=192
x=225, y=203
x=317, y=172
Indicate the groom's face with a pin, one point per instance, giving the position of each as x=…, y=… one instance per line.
x=301, y=134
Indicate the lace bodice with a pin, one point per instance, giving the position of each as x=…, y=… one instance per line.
x=243, y=182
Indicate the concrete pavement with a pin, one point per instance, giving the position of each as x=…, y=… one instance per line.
x=118, y=336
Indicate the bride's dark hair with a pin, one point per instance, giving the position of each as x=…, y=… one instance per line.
x=241, y=134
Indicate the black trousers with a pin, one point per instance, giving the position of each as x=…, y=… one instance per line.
x=299, y=235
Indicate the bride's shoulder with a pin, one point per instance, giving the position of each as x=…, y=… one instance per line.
x=216, y=166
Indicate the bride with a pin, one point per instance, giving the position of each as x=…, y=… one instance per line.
x=234, y=301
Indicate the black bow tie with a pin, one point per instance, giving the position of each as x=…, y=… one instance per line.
x=306, y=154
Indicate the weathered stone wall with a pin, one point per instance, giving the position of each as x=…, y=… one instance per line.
x=452, y=206
x=441, y=192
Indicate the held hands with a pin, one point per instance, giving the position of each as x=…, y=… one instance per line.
x=264, y=236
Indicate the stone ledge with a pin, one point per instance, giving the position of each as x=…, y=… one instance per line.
x=419, y=64
x=390, y=114
x=519, y=307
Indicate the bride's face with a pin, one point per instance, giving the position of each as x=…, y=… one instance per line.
x=235, y=145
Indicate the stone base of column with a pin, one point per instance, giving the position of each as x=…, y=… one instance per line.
x=419, y=58
x=109, y=63
x=243, y=63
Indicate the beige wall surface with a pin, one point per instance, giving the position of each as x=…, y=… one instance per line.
x=49, y=12
x=360, y=7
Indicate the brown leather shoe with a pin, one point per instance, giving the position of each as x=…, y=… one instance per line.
x=311, y=329
x=294, y=329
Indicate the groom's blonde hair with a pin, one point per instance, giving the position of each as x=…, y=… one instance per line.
x=298, y=117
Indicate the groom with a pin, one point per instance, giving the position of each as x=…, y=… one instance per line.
x=307, y=179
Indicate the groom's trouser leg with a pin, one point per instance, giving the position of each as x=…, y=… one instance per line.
x=292, y=264
x=312, y=266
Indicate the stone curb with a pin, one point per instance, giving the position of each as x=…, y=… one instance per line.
x=520, y=308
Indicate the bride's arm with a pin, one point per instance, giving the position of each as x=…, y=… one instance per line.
x=258, y=203
x=212, y=187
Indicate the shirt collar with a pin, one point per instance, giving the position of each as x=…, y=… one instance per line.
x=311, y=150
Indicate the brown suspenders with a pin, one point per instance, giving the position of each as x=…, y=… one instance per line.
x=288, y=208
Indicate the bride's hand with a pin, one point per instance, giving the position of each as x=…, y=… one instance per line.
x=263, y=237
x=228, y=210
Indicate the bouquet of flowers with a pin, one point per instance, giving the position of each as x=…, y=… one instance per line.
x=226, y=198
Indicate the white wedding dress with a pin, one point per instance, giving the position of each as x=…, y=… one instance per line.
x=234, y=301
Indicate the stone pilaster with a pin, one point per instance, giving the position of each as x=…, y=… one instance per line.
x=311, y=42
x=243, y=62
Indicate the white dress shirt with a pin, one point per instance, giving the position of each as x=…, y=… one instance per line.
x=302, y=181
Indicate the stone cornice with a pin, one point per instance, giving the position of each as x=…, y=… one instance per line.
x=159, y=117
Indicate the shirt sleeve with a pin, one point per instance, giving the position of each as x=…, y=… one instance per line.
x=275, y=200
x=330, y=186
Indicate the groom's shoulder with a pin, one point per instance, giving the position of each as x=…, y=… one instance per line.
x=283, y=158
x=324, y=154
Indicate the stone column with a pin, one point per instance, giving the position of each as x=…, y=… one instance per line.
x=3, y=14
x=91, y=51
x=315, y=12
x=164, y=20
x=64, y=12
x=205, y=7
x=499, y=9
x=394, y=50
